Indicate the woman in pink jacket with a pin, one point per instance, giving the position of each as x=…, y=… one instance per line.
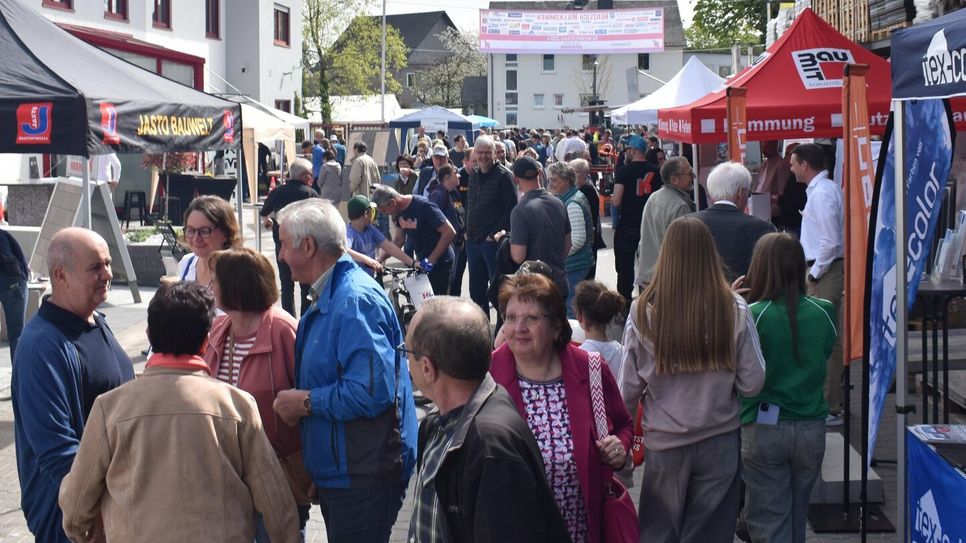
x=252, y=347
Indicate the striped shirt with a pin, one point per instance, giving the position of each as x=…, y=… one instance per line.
x=236, y=349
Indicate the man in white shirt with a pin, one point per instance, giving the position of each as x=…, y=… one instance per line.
x=107, y=168
x=822, y=238
x=571, y=145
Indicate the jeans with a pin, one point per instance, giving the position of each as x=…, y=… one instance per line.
x=573, y=277
x=780, y=465
x=456, y=277
x=261, y=535
x=382, y=224
x=361, y=515
x=625, y=257
x=481, y=262
x=690, y=494
x=13, y=297
x=288, y=288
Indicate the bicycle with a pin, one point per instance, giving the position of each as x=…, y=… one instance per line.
x=402, y=303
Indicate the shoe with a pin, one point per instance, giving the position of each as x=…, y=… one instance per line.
x=834, y=419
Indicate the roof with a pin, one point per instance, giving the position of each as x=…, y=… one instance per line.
x=414, y=27
x=354, y=109
x=673, y=27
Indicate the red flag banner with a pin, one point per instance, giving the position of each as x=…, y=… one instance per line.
x=737, y=131
x=858, y=173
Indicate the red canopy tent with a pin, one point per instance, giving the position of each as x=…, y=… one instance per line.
x=793, y=91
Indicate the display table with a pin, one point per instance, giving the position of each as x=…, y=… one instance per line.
x=936, y=508
x=934, y=298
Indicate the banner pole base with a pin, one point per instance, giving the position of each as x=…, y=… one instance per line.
x=828, y=518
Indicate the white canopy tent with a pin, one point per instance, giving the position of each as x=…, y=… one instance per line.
x=692, y=81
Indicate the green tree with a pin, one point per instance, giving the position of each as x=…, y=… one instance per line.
x=341, y=52
x=723, y=23
x=442, y=85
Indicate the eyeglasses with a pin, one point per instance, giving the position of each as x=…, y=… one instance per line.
x=205, y=232
x=527, y=320
x=402, y=348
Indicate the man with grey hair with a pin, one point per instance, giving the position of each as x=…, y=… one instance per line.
x=68, y=357
x=490, y=197
x=297, y=187
x=353, y=397
x=585, y=184
x=481, y=474
x=735, y=232
x=668, y=203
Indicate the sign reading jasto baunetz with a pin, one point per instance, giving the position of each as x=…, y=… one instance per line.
x=572, y=31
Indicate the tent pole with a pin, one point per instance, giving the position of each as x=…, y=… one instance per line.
x=239, y=193
x=86, y=194
x=167, y=186
x=902, y=530
x=697, y=176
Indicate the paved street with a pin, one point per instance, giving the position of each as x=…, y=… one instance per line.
x=128, y=320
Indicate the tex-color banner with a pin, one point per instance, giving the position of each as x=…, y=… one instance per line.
x=929, y=148
x=737, y=131
x=937, y=511
x=859, y=173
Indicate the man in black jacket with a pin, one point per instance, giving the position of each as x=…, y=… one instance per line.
x=734, y=232
x=490, y=197
x=481, y=475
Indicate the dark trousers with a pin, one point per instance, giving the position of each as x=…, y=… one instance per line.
x=439, y=277
x=361, y=515
x=13, y=297
x=288, y=288
x=456, y=277
x=481, y=262
x=625, y=251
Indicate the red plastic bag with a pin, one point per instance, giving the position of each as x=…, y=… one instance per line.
x=637, y=445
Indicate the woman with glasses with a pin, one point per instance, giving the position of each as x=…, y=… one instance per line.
x=690, y=348
x=210, y=226
x=548, y=378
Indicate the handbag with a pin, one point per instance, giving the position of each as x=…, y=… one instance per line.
x=619, y=517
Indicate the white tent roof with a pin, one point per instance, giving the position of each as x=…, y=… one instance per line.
x=354, y=108
x=692, y=81
x=269, y=124
x=434, y=114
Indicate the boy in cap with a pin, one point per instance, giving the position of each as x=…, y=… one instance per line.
x=364, y=238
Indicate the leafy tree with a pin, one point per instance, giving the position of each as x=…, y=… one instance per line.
x=723, y=23
x=341, y=53
x=442, y=85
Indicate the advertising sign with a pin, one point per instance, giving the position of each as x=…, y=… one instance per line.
x=737, y=132
x=937, y=512
x=572, y=31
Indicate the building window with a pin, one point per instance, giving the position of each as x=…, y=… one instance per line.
x=284, y=105
x=410, y=79
x=115, y=9
x=59, y=4
x=538, y=101
x=549, y=64
x=586, y=99
x=511, y=118
x=643, y=61
x=511, y=80
x=558, y=100
x=511, y=58
x=162, y=14
x=511, y=99
x=587, y=62
x=282, y=36
x=212, y=19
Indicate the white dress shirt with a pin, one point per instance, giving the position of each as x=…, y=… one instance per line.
x=107, y=167
x=823, y=227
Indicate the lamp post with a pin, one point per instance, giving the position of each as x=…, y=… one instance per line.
x=593, y=95
x=383, y=68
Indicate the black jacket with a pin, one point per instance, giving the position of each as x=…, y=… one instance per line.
x=735, y=235
x=489, y=199
x=491, y=483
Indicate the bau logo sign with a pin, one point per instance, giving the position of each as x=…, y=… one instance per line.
x=109, y=124
x=927, y=525
x=940, y=66
x=822, y=68
x=228, y=121
x=34, y=123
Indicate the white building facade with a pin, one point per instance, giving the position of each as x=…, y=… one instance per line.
x=253, y=48
x=547, y=91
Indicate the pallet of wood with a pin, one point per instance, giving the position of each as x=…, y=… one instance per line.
x=888, y=15
x=850, y=17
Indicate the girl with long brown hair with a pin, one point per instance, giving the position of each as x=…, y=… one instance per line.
x=690, y=343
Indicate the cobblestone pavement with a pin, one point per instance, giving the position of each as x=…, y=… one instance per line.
x=128, y=320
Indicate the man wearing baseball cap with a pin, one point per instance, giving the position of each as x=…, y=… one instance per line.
x=364, y=238
x=429, y=175
x=539, y=227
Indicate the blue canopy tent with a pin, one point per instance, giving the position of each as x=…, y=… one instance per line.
x=432, y=119
x=484, y=122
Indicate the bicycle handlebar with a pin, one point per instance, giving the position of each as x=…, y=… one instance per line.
x=394, y=271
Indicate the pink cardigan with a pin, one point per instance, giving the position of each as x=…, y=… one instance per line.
x=591, y=470
x=268, y=369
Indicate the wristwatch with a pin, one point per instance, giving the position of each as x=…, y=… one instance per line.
x=307, y=403
x=811, y=278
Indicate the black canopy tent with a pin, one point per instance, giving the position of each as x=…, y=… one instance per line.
x=61, y=95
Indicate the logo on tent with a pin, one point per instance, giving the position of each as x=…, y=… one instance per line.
x=228, y=120
x=34, y=123
x=822, y=68
x=109, y=124
x=940, y=66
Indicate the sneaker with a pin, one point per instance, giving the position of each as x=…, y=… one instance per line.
x=833, y=419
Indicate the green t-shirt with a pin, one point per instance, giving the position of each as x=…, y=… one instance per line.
x=797, y=387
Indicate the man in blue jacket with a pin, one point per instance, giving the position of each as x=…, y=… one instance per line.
x=70, y=358
x=353, y=398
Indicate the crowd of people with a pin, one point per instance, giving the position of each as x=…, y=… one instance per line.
x=245, y=416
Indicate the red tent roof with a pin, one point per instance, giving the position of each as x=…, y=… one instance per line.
x=794, y=90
